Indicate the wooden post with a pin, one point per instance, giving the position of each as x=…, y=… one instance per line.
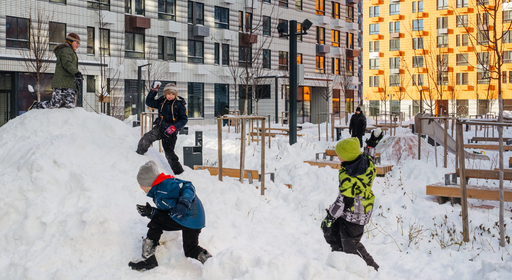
x=419, y=139
x=269, y=131
x=327, y=127
x=263, y=157
x=445, y=144
x=219, y=145
x=242, y=152
x=332, y=127
x=318, y=127
x=464, y=197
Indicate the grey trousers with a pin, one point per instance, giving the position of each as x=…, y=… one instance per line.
x=61, y=97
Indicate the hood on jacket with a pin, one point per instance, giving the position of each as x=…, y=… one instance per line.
x=61, y=46
x=356, y=167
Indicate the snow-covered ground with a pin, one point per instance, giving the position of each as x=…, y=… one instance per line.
x=68, y=195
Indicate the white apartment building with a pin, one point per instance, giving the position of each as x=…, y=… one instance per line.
x=214, y=51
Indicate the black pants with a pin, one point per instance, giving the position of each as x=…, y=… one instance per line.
x=360, y=137
x=161, y=221
x=168, y=143
x=345, y=237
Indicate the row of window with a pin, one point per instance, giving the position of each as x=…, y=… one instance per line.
x=395, y=80
x=441, y=60
x=335, y=10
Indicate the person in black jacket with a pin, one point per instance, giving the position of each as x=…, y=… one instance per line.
x=357, y=126
x=172, y=116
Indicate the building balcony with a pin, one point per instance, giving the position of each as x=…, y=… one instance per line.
x=375, y=72
x=322, y=20
x=446, y=12
x=377, y=89
x=507, y=66
x=420, y=33
x=445, y=69
x=246, y=39
x=323, y=49
x=484, y=27
x=447, y=88
x=420, y=52
x=465, y=10
x=398, y=89
x=175, y=67
x=486, y=48
x=376, y=19
x=465, y=49
x=397, y=35
x=396, y=53
x=337, y=23
x=420, y=15
x=352, y=53
x=465, y=68
x=485, y=87
x=396, y=71
x=376, y=37
x=397, y=17
x=132, y=23
x=465, y=30
x=376, y=2
x=375, y=55
x=201, y=31
x=445, y=50
x=421, y=70
x=466, y=87
x=508, y=46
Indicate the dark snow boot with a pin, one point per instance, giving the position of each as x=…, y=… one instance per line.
x=176, y=167
x=203, y=256
x=148, y=256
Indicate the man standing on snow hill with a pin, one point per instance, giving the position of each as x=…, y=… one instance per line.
x=177, y=208
x=357, y=126
x=67, y=79
x=343, y=226
x=172, y=116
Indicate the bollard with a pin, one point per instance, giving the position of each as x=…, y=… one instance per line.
x=338, y=133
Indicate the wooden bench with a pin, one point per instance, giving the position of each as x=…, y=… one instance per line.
x=487, y=147
x=255, y=134
x=232, y=172
x=381, y=170
x=488, y=139
x=476, y=192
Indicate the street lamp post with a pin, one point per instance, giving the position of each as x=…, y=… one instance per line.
x=140, y=104
x=282, y=28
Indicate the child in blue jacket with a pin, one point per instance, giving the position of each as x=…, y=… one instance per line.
x=177, y=208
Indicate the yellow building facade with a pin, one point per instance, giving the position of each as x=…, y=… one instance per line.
x=438, y=51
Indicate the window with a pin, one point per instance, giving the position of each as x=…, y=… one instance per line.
x=267, y=59
x=240, y=21
x=374, y=107
x=299, y=30
x=195, y=100
x=105, y=41
x=285, y=21
x=462, y=40
x=335, y=7
x=263, y=91
x=299, y=58
x=221, y=98
x=394, y=9
x=195, y=52
x=283, y=3
x=320, y=35
x=195, y=13
x=417, y=61
x=350, y=68
x=267, y=26
x=374, y=11
x=462, y=59
x=482, y=60
x=417, y=25
x=374, y=28
x=350, y=40
x=442, y=4
x=504, y=77
x=417, y=80
x=482, y=77
x=507, y=57
x=57, y=33
x=374, y=81
x=140, y=8
x=442, y=61
x=320, y=7
x=90, y=40
x=58, y=1
x=167, y=9
x=283, y=60
x=462, y=21
x=99, y=4
x=394, y=27
x=442, y=22
x=482, y=19
x=166, y=48
x=134, y=45
x=350, y=13
x=442, y=78
x=482, y=37
x=225, y=54
x=336, y=66
x=91, y=83
x=507, y=16
x=17, y=32
x=417, y=43
x=394, y=80
x=248, y=22
x=507, y=37
x=442, y=41
x=320, y=64
x=335, y=38
x=394, y=63
x=417, y=7
x=216, y=53
x=374, y=63
x=462, y=3
x=374, y=46
x=221, y=17
x=298, y=4
x=244, y=56
x=128, y=6
x=394, y=45
x=462, y=78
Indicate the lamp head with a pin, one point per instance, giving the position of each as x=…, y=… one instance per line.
x=282, y=28
x=306, y=24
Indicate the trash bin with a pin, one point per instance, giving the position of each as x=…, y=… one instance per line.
x=193, y=156
x=338, y=133
x=183, y=130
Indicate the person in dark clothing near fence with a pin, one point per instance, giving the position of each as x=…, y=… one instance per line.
x=357, y=126
x=172, y=116
x=67, y=79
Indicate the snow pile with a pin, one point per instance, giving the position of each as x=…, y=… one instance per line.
x=68, y=211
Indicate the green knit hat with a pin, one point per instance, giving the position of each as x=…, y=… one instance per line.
x=348, y=149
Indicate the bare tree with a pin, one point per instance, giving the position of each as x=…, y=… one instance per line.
x=37, y=57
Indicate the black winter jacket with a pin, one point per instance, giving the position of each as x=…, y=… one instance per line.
x=170, y=113
x=357, y=124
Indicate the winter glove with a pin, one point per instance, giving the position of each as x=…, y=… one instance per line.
x=155, y=85
x=327, y=222
x=181, y=208
x=146, y=210
x=374, y=140
x=170, y=130
x=78, y=79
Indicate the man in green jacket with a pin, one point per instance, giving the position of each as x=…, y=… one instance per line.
x=67, y=79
